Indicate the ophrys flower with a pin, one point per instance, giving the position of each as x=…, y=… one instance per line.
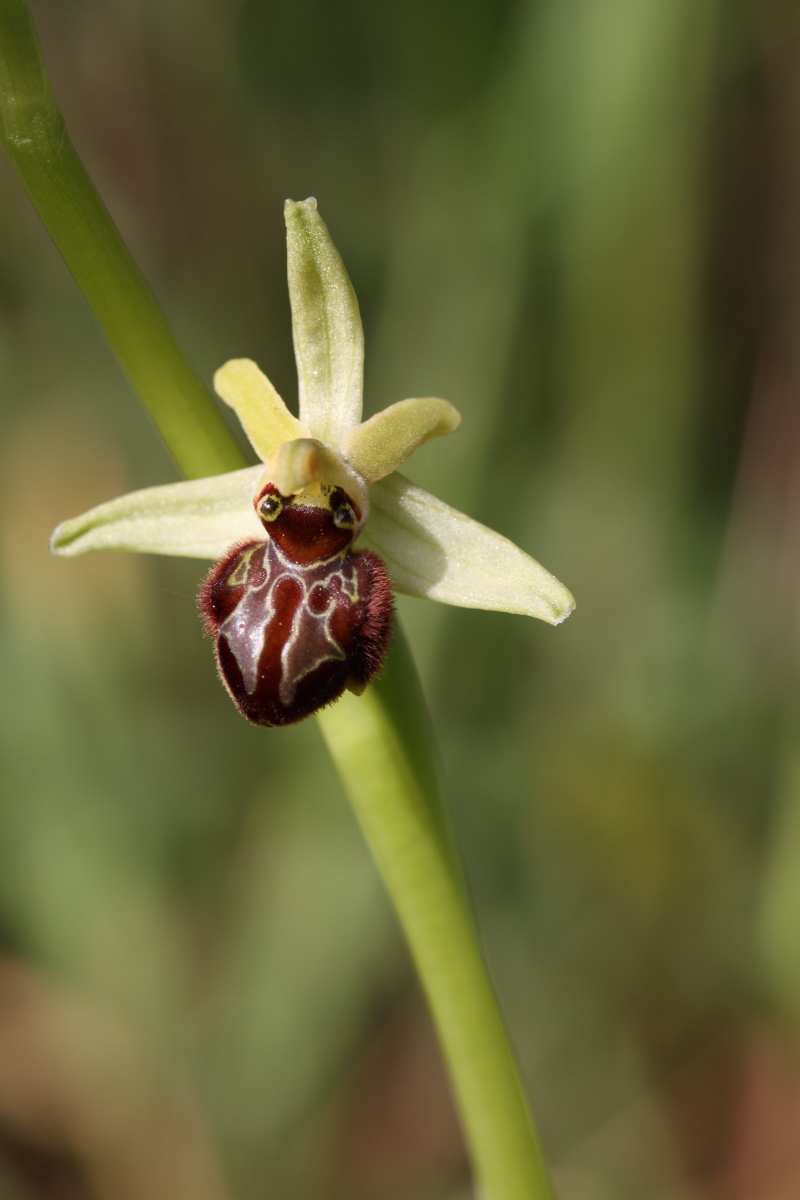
x=297, y=609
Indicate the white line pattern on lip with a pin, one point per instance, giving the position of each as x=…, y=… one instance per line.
x=310, y=642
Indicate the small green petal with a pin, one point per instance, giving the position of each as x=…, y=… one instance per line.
x=328, y=338
x=198, y=519
x=265, y=418
x=384, y=442
x=435, y=551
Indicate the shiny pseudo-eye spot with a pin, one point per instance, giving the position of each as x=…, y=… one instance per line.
x=344, y=516
x=270, y=507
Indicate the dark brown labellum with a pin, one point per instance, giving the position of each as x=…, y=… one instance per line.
x=300, y=616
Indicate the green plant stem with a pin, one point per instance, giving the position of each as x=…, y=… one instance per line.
x=33, y=134
x=378, y=743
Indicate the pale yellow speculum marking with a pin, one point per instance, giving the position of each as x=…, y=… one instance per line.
x=238, y=577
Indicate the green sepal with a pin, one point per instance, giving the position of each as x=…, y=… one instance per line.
x=434, y=551
x=328, y=338
x=201, y=518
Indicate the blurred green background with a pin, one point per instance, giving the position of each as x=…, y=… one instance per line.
x=578, y=221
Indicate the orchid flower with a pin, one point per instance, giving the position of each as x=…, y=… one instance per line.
x=430, y=549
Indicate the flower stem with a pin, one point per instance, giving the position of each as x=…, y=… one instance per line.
x=33, y=133
x=381, y=745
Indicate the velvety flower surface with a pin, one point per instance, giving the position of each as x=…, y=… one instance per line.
x=431, y=549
